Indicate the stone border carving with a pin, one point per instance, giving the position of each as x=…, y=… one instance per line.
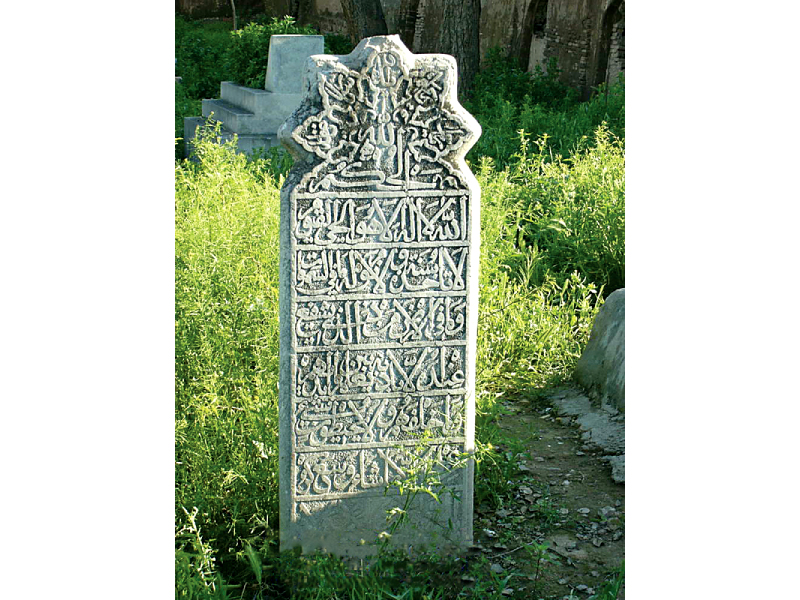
x=379, y=271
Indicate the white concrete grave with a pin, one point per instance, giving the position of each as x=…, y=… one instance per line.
x=255, y=115
x=380, y=236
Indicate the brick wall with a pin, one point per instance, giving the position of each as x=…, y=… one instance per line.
x=572, y=29
x=572, y=33
x=616, y=61
x=501, y=24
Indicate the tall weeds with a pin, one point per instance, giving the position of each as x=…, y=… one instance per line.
x=507, y=100
x=226, y=346
x=552, y=240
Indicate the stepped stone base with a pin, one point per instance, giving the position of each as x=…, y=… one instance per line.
x=255, y=115
x=246, y=143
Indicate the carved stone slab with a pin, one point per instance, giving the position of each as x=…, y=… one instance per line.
x=378, y=303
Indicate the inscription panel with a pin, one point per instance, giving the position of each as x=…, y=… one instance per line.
x=378, y=298
x=326, y=421
x=396, y=218
x=337, y=474
x=378, y=270
x=383, y=321
x=356, y=371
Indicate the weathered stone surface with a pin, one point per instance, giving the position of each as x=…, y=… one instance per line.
x=287, y=60
x=601, y=367
x=378, y=294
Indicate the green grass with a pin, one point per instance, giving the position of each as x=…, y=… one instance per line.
x=552, y=246
x=226, y=345
x=610, y=589
x=507, y=100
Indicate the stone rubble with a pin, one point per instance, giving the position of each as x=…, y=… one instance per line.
x=602, y=428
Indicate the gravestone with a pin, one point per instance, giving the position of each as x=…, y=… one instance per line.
x=380, y=220
x=254, y=115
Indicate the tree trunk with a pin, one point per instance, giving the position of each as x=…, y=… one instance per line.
x=302, y=11
x=233, y=8
x=364, y=19
x=437, y=26
x=407, y=22
x=451, y=27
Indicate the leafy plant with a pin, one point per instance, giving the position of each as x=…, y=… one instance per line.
x=226, y=345
x=501, y=78
x=488, y=585
x=538, y=554
x=547, y=513
x=195, y=575
x=338, y=44
x=424, y=476
x=199, y=54
x=184, y=107
x=536, y=106
x=494, y=469
x=612, y=587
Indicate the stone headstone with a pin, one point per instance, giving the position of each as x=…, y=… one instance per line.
x=254, y=115
x=287, y=61
x=378, y=304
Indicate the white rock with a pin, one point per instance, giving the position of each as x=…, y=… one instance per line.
x=608, y=510
x=601, y=367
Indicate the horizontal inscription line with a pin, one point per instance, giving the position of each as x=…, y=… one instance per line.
x=392, y=444
x=377, y=491
x=362, y=395
x=383, y=346
x=344, y=195
x=387, y=295
x=382, y=245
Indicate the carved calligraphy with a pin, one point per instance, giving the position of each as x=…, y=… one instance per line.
x=412, y=218
x=378, y=270
x=405, y=321
x=343, y=372
x=378, y=297
x=324, y=422
x=336, y=474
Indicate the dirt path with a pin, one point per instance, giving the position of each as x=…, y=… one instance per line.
x=564, y=497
